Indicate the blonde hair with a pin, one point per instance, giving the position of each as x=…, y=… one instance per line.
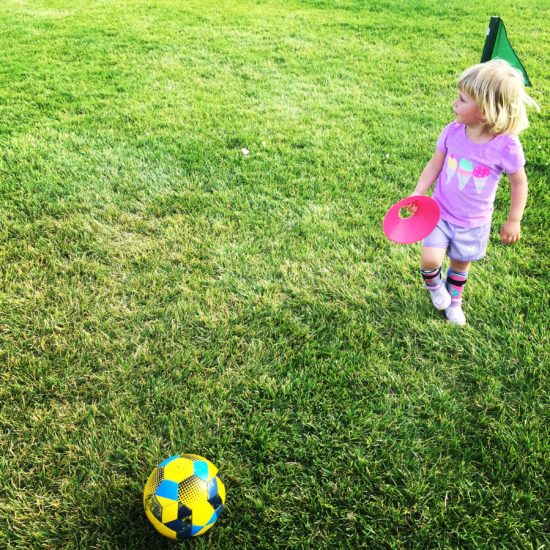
x=499, y=92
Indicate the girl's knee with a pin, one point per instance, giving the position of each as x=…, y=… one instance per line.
x=432, y=258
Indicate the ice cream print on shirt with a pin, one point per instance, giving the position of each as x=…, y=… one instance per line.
x=481, y=173
x=451, y=167
x=464, y=170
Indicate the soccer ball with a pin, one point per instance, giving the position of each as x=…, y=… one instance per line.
x=184, y=496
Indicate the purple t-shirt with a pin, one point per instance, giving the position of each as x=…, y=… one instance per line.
x=467, y=184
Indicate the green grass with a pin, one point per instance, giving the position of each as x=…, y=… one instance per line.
x=161, y=292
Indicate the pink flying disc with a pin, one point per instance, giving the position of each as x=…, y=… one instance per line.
x=417, y=226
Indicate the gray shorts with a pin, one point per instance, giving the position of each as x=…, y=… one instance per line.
x=463, y=244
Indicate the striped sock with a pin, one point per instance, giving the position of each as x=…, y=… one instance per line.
x=455, y=285
x=432, y=277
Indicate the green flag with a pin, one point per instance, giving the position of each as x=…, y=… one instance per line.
x=497, y=46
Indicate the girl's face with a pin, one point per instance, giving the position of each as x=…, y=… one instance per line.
x=467, y=110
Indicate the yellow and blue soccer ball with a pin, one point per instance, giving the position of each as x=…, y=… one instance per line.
x=184, y=496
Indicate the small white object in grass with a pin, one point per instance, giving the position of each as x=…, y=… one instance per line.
x=245, y=151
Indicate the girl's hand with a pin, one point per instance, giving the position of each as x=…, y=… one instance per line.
x=510, y=232
x=412, y=208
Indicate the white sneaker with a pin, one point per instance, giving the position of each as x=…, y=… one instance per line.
x=455, y=315
x=441, y=298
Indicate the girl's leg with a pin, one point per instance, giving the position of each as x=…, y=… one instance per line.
x=431, y=264
x=457, y=275
x=432, y=257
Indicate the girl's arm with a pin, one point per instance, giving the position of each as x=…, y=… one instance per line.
x=511, y=230
x=430, y=173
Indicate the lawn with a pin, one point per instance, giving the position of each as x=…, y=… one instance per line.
x=163, y=292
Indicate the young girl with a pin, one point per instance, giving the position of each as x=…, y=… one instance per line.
x=470, y=155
